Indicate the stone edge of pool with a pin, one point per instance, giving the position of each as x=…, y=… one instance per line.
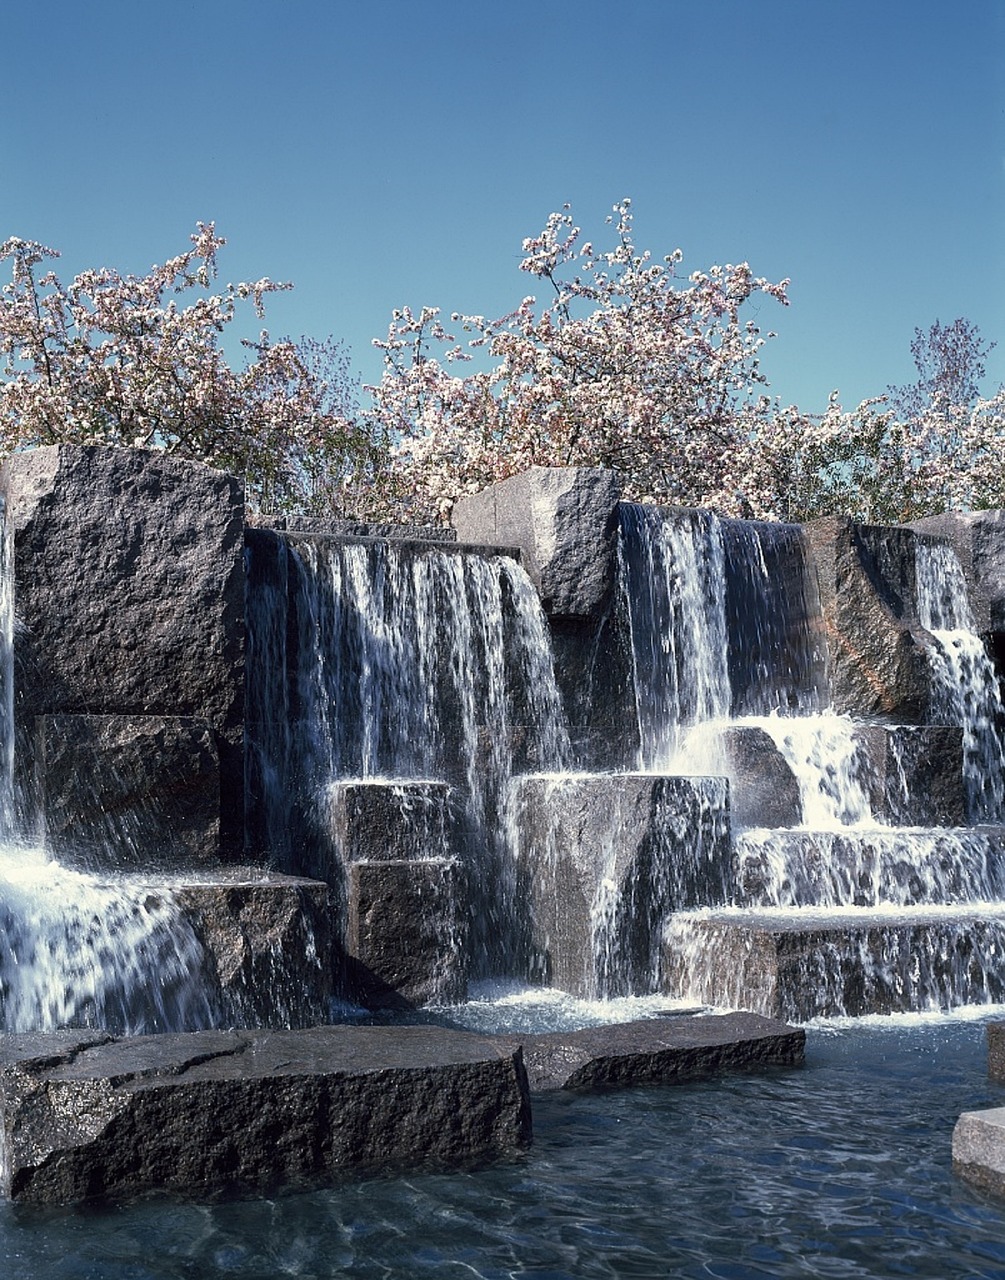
x=85, y=1115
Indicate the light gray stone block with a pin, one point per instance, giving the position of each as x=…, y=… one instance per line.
x=564, y=520
x=979, y=1149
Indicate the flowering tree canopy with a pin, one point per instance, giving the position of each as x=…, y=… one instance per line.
x=624, y=365
x=120, y=360
x=627, y=365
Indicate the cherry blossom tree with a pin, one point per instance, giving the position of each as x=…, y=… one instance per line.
x=623, y=365
x=126, y=360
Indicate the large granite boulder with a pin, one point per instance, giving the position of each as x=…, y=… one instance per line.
x=129, y=591
x=798, y=965
x=270, y=957
x=84, y=1116
x=877, y=648
x=564, y=520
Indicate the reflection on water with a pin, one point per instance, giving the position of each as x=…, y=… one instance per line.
x=839, y=1169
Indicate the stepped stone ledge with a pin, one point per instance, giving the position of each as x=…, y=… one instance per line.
x=802, y=964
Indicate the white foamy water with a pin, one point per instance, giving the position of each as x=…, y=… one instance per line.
x=76, y=951
x=966, y=685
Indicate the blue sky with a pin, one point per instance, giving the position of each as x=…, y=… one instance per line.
x=397, y=153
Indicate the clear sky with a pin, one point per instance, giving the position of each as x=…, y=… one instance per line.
x=397, y=152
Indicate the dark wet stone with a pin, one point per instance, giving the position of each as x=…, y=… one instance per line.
x=215, y=1111
x=129, y=792
x=407, y=931
x=878, y=662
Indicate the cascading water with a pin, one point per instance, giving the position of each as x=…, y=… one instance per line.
x=965, y=684
x=408, y=662
x=737, y=653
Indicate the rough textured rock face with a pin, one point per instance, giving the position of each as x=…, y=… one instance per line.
x=213, y=1111
x=657, y=1051
x=129, y=792
x=878, y=665
x=564, y=520
x=763, y=791
x=392, y=821
x=408, y=932
x=128, y=582
x=129, y=590
x=603, y=861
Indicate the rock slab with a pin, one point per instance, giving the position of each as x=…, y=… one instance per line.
x=979, y=1149
x=86, y=1116
x=671, y=1050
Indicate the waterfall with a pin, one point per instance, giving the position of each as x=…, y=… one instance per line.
x=833, y=910
x=77, y=950
x=966, y=691
x=407, y=662
x=672, y=572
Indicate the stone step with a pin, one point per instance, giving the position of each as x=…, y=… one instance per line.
x=803, y=964
x=869, y=866
x=86, y=1116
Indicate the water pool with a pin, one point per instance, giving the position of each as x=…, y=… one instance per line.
x=838, y=1169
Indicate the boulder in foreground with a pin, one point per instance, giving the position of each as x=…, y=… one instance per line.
x=85, y=1115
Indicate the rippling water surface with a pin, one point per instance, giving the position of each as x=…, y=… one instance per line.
x=838, y=1169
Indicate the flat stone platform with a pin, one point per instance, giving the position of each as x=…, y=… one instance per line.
x=200, y=1113
x=86, y=1115
x=670, y=1050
